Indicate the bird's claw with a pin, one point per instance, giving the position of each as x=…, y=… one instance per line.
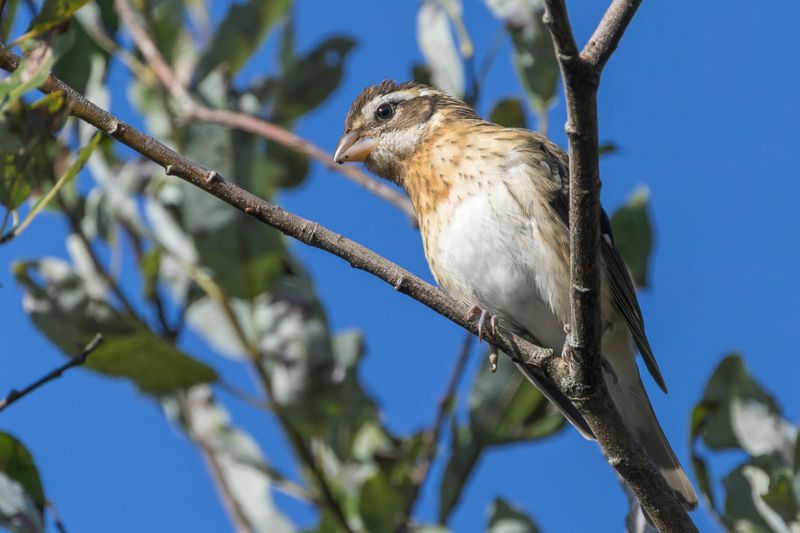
x=566, y=352
x=483, y=315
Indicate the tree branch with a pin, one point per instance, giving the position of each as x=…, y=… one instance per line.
x=77, y=360
x=606, y=37
x=594, y=403
x=585, y=384
x=195, y=110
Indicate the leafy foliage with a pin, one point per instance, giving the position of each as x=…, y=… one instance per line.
x=53, y=13
x=763, y=492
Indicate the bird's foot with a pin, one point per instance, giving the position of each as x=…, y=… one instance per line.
x=566, y=352
x=483, y=315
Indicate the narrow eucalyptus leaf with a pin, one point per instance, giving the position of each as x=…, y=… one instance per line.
x=435, y=39
x=58, y=303
x=633, y=234
x=239, y=35
x=53, y=13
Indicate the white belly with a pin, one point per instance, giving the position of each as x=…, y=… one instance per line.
x=491, y=254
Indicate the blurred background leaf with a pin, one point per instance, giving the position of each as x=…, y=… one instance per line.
x=503, y=408
x=21, y=495
x=763, y=492
x=633, y=234
x=505, y=518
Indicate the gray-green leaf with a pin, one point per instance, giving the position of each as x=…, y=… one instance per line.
x=239, y=35
x=633, y=234
x=506, y=518
x=21, y=494
x=59, y=304
x=435, y=39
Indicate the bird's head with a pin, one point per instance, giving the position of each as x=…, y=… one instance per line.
x=387, y=123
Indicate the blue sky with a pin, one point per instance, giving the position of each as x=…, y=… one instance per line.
x=701, y=96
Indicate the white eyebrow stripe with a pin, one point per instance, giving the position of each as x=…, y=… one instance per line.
x=370, y=108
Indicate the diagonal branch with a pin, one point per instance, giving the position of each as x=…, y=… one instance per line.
x=586, y=386
x=594, y=403
x=193, y=109
x=78, y=360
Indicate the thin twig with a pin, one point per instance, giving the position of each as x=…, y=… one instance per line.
x=195, y=110
x=77, y=360
x=54, y=514
x=170, y=332
x=239, y=520
x=249, y=399
x=598, y=409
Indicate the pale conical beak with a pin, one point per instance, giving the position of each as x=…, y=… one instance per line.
x=354, y=147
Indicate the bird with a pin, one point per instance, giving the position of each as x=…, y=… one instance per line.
x=492, y=207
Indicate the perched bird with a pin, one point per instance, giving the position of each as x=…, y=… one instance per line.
x=492, y=204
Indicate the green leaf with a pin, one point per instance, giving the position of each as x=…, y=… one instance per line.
x=154, y=365
x=239, y=35
x=14, y=189
x=504, y=408
x=59, y=304
x=633, y=234
x=736, y=412
x=69, y=175
x=744, y=507
x=53, y=13
x=28, y=149
x=79, y=51
x=308, y=80
x=380, y=505
x=7, y=19
x=781, y=498
x=505, y=518
x=508, y=112
x=292, y=166
x=21, y=495
x=16, y=462
x=435, y=39
x=534, y=57
x=32, y=71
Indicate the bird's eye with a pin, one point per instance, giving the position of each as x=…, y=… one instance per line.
x=384, y=112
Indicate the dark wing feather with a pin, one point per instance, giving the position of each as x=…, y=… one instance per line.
x=616, y=273
x=624, y=293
